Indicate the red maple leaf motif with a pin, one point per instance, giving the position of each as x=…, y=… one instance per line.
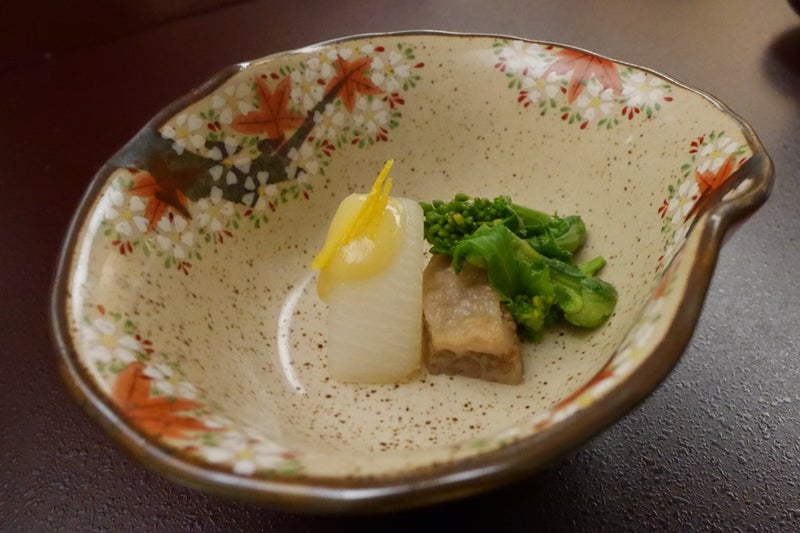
x=157, y=416
x=710, y=180
x=583, y=66
x=351, y=80
x=161, y=197
x=273, y=116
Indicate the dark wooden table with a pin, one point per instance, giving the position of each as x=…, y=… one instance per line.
x=717, y=446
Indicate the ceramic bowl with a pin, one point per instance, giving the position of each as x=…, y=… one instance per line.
x=186, y=315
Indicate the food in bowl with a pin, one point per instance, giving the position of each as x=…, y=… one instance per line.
x=519, y=277
x=469, y=331
x=370, y=275
x=525, y=258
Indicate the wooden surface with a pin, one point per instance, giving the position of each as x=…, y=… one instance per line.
x=717, y=446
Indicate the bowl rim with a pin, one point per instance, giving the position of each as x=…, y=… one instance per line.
x=432, y=483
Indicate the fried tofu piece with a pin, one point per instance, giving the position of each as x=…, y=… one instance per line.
x=469, y=332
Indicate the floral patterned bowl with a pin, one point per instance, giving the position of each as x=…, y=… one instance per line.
x=186, y=315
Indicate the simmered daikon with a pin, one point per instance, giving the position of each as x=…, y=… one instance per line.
x=371, y=277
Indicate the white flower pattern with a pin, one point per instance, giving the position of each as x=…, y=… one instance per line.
x=524, y=58
x=390, y=73
x=595, y=101
x=306, y=92
x=175, y=236
x=214, y=211
x=641, y=90
x=329, y=123
x=371, y=114
x=233, y=99
x=246, y=452
x=126, y=213
x=184, y=131
x=715, y=153
x=104, y=342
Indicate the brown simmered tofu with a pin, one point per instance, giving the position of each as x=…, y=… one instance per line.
x=469, y=332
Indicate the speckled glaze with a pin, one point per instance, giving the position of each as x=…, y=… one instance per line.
x=187, y=318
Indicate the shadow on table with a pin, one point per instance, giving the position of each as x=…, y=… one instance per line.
x=782, y=62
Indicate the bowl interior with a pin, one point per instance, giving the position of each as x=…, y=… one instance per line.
x=191, y=307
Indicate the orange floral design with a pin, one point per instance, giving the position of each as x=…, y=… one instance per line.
x=161, y=196
x=711, y=180
x=583, y=66
x=273, y=116
x=352, y=80
x=157, y=416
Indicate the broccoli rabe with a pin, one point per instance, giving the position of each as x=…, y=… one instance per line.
x=532, y=314
x=447, y=223
x=527, y=255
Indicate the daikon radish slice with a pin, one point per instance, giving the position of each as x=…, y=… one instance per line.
x=371, y=278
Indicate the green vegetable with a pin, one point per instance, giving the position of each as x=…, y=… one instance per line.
x=528, y=258
x=447, y=223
